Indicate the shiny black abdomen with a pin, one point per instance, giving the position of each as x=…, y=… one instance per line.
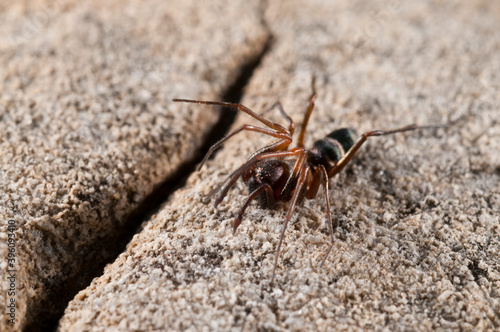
x=329, y=150
x=345, y=136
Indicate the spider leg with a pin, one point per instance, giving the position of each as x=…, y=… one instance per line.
x=270, y=198
x=270, y=132
x=287, y=190
x=302, y=134
x=224, y=187
x=276, y=147
x=233, y=177
x=231, y=180
x=241, y=107
x=281, y=154
x=320, y=176
x=328, y=212
x=296, y=195
x=312, y=189
x=362, y=139
x=291, y=124
x=279, y=106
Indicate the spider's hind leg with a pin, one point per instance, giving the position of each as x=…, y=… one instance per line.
x=263, y=189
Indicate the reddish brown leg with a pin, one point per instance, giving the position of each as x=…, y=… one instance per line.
x=286, y=192
x=296, y=195
x=328, y=212
x=352, y=151
x=276, y=147
x=242, y=108
x=312, y=189
x=350, y=154
x=270, y=198
x=302, y=134
x=281, y=154
x=291, y=124
x=320, y=176
x=269, y=132
x=231, y=180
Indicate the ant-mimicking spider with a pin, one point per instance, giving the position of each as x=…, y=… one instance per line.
x=269, y=177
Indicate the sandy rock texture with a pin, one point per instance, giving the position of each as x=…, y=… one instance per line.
x=418, y=239
x=88, y=129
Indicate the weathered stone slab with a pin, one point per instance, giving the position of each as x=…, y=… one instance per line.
x=417, y=247
x=87, y=127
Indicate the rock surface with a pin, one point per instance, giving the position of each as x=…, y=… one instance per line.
x=417, y=245
x=418, y=242
x=88, y=129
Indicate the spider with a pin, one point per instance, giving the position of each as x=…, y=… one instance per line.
x=270, y=178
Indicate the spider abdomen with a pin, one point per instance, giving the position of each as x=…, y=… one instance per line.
x=329, y=150
x=345, y=136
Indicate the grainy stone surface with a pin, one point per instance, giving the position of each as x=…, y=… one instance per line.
x=87, y=126
x=418, y=242
x=417, y=247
